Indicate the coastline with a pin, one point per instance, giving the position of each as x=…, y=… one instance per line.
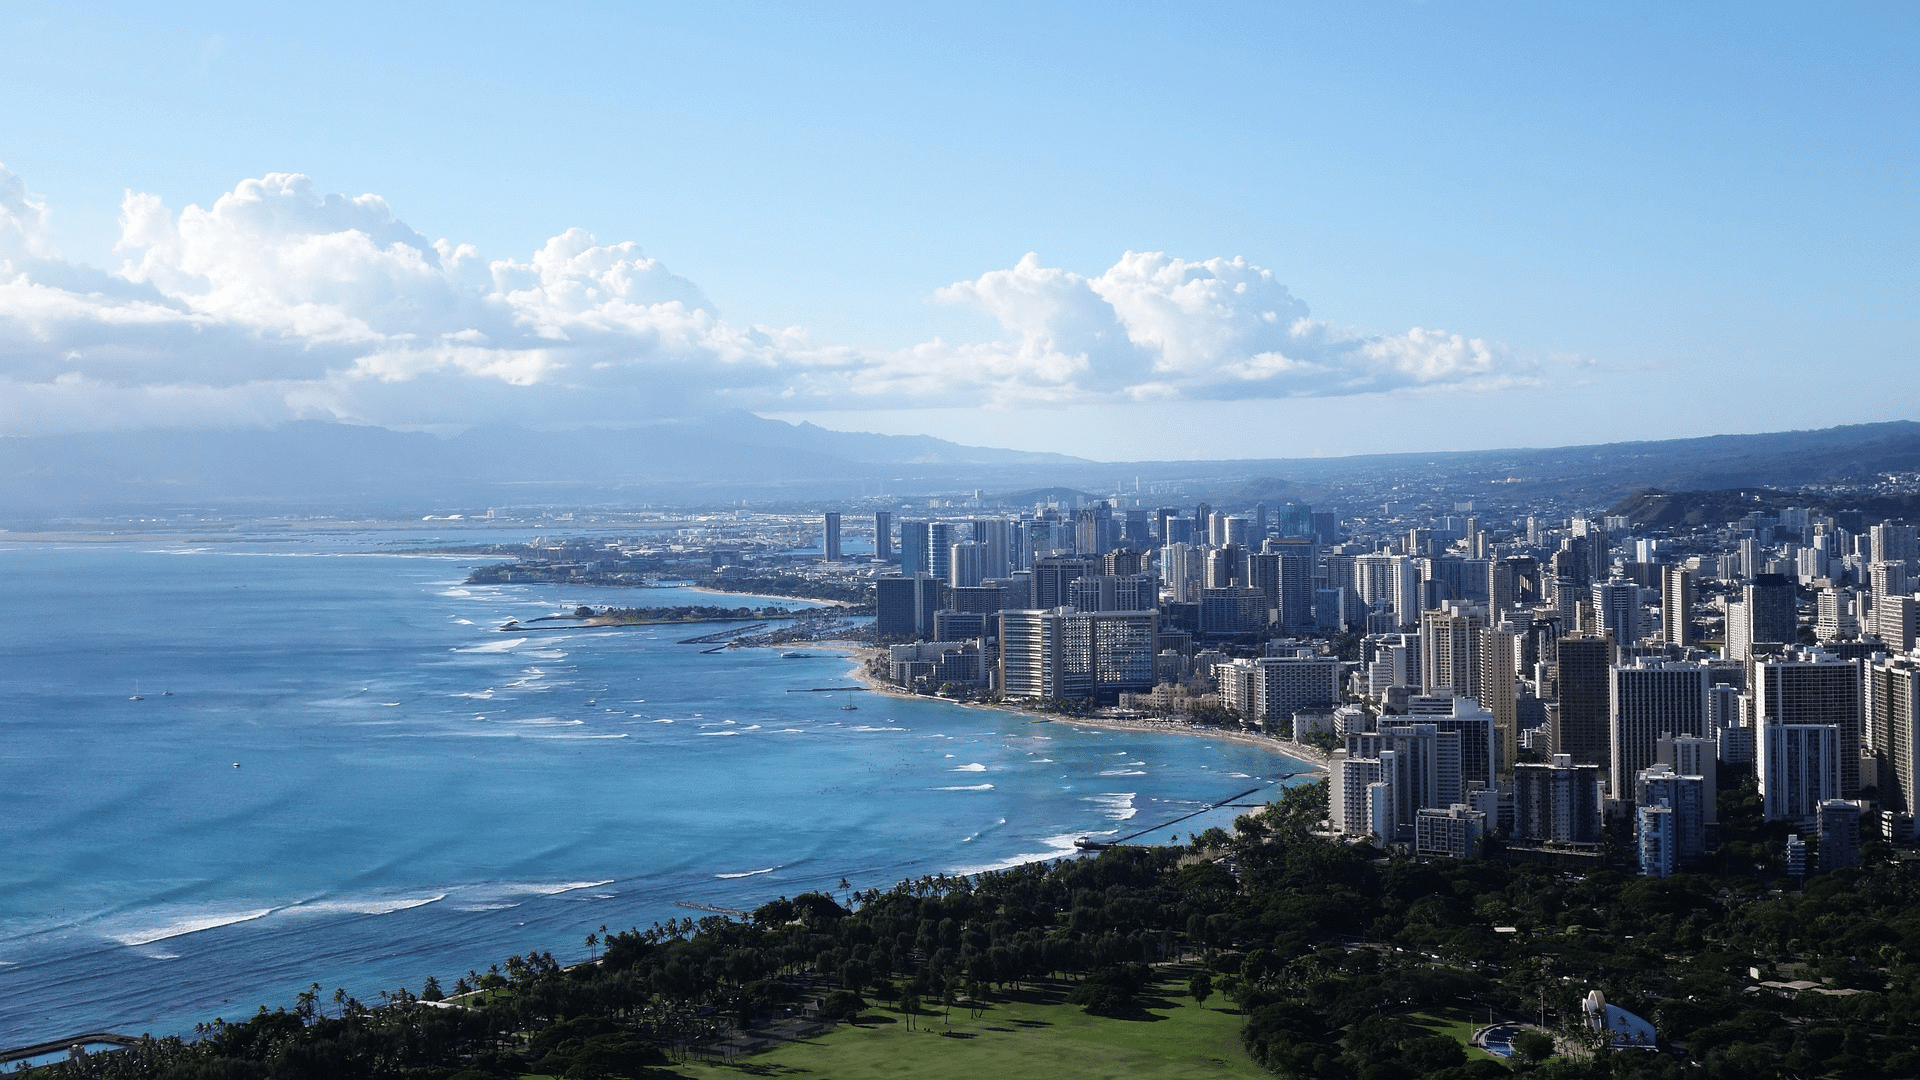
x=1315, y=761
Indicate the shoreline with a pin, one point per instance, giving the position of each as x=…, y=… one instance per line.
x=1313, y=759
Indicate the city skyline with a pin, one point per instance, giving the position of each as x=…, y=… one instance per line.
x=1278, y=232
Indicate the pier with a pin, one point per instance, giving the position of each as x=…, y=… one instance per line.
x=66, y=1046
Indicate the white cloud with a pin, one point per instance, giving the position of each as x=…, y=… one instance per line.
x=277, y=302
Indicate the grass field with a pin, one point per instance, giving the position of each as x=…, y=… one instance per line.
x=1028, y=1034
x=1034, y=1033
x=1456, y=1024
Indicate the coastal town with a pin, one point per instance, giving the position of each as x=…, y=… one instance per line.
x=1579, y=691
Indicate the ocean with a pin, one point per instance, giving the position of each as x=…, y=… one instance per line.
x=338, y=771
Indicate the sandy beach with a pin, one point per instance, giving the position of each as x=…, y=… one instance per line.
x=1310, y=756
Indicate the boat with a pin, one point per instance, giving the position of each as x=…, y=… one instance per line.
x=796, y=656
x=136, y=697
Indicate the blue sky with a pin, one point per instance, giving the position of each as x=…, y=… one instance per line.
x=1605, y=221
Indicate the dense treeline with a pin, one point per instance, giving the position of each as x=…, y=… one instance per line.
x=1326, y=948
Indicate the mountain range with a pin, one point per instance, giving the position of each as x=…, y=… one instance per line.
x=317, y=467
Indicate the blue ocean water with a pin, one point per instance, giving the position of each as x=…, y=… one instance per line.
x=340, y=772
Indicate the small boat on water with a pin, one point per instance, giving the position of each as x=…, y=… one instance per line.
x=796, y=656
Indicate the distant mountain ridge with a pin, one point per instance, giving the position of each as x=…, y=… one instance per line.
x=316, y=467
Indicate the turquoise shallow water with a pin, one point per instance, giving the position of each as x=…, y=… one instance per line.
x=419, y=794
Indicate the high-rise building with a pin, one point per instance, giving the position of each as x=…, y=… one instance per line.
x=1497, y=686
x=882, y=536
x=1695, y=755
x=831, y=542
x=1324, y=525
x=904, y=607
x=1647, y=700
x=1770, y=610
x=1888, y=586
x=1889, y=542
x=1656, y=840
x=1113, y=592
x=966, y=564
x=940, y=540
x=1686, y=796
x=1450, y=650
x=1616, y=604
x=1182, y=569
x=1512, y=582
x=1233, y=611
x=1893, y=728
x=1066, y=655
x=996, y=540
x=1295, y=585
x=1813, y=686
x=1834, y=617
x=1799, y=768
x=1418, y=764
x=1676, y=605
x=1162, y=515
x=1052, y=575
x=1585, y=694
x=1560, y=801
x=1093, y=529
x=1296, y=519
x=1839, y=831
x=1465, y=717
x=1455, y=832
x=916, y=548
x=982, y=600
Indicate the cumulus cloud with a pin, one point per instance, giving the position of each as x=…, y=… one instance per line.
x=278, y=302
x=1158, y=327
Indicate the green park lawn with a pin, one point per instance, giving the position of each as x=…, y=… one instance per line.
x=1456, y=1024
x=1025, y=1034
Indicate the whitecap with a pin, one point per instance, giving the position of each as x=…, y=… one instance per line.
x=190, y=925
x=871, y=727
x=364, y=906
x=548, y=721
x=1117, y=805
x=663, y=721
x=553, y=889
x=506, y=645
x=971, y=767
x=1057, y=846
x=614, y=735
x=477, y=695
x=746, y=873
x=719, y=733
x=965, y=787
x=1123, y=772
